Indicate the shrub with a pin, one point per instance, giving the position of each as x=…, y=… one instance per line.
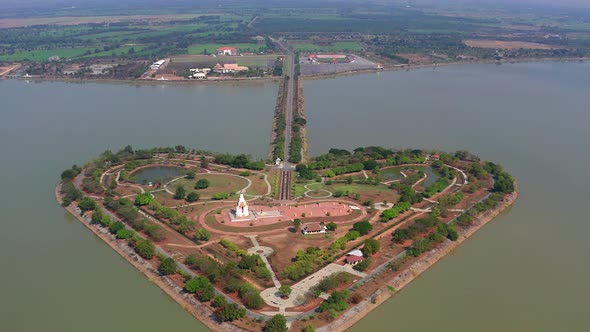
x=363, y=265
x=363, y=227
x=144, y=199
x=125, y=233
x=116, y=227
x=202, y=184
x=145, y=248
x=220, y=196
x=371, y=247
x=230, y=312
x=168, y=266
x=278, y=323
x=202, y=235
x=192, y=197
x=218, y=301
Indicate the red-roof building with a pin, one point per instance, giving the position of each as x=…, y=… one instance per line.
x=314, y=229
x=227, y=50
x=353, y=260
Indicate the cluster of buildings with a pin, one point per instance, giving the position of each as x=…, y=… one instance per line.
x=200, y=73
x=229, y=68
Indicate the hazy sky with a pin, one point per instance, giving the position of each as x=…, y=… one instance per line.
x=33, y=4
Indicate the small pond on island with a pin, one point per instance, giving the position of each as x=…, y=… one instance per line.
x=156, y=174
x=394, y=173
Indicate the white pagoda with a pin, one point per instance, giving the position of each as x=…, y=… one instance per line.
x=242, y=208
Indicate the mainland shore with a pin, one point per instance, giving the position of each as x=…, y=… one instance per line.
x=257, y=80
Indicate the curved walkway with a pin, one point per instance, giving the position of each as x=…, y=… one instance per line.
x=306, y=194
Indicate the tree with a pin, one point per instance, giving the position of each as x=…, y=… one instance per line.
x=144, y=199
x=196, y=284
x=331, y=226
x=97, y=216
x=68, y=174
x=204, y=162
x=218, y=301
x=202, y=184
x=248, y=262
x=202, y=234
x=363, y=265
x=86, y=204
x=116, y=227
x=191, y=175
x=145, y=249
x=230, y=312
x=309, y=328
x=278, y=323
x=168, y=266
x=193, y=196
x=180, y=193
x=297, y=223
x=285, y=291
x=363, y=227
x=371, y=247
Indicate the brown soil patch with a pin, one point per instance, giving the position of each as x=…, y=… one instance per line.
x=509, y=45
x=73, y=20
x=417, y=58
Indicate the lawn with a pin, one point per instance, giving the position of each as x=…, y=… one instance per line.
x=44, y=55
x=376, y=193
x=218, y=183
x=212, y=48
x=337, y=46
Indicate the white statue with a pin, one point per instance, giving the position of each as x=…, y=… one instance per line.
x=278, y=161
x=242, y=208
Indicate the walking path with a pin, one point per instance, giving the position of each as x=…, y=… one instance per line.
x=264, y=252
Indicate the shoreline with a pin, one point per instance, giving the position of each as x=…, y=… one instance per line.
x=361, y=310
x=260, y=80
x=446, y=64
x=202, y=313
x=349, y=318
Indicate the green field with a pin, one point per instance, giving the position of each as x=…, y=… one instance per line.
x=212, y=48
x=337, y=46
x=218, y=183
x=44, y=55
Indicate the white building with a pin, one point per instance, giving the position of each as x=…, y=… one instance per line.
x=242, y=208
x=156, y=65
x=227, y=50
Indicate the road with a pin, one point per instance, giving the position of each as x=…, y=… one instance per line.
x=287, y=169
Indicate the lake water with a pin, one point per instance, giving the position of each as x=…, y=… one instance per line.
x=529, y=269
x=56, y=275
x=526, y=271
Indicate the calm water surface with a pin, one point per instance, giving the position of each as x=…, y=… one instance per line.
x=526, y=271
x=56, y=275
x=529, y=269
